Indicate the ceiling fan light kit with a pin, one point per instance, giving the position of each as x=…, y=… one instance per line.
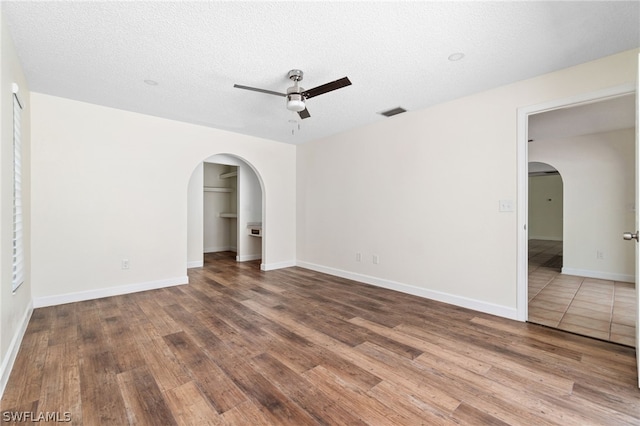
x=296, y=95
x=295, y=100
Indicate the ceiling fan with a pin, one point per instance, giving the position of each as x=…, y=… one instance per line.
x=296, y=95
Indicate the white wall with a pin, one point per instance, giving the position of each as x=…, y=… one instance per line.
x=599, y=192
x=545, y=207
x=15, y=308
x=421, y=191
x=109, y=184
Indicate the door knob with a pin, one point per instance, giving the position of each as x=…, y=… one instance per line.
x=630, y=236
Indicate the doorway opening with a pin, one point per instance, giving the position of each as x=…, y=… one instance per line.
x=225, y=211
x=577, y=274
x=545, y=230
x=232, y=210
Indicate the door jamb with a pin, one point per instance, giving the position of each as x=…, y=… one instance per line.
x=523, y=178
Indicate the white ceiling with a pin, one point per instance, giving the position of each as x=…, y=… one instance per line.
x=394, y=53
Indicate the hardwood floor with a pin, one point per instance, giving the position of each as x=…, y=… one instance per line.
x=243, y=347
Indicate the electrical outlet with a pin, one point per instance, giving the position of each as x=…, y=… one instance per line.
x=358, y=257
x=124, y=264
x=376, y=259
x=600, y=254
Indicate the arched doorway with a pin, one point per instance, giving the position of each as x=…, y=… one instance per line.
x=225, y=211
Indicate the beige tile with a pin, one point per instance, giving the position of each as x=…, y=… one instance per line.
x=597, y=295
x=545, y=316
x=622, y=334
x=597, y=308
x=568, y=280
x=625, y=301
x=597, y=282
x=624, y=289
x=559, y=291
x=586, y=322
x=594, y=306
x=584, y=331
x=623, y=318
x=549, y=297
x=555, y=286
x=549, y=305
x=624, y=307
x=623, y=285
x=589, y=313
x=623, y=330
x=597, y=286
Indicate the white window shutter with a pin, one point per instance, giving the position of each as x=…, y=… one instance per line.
x=18, y=233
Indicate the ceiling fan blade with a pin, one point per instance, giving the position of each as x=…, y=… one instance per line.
x=304, y=114
x=255, y=89
x=340, y=83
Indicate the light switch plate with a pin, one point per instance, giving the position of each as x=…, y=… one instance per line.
x=506, y=205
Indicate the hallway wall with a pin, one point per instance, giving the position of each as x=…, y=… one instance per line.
x=598, y=172
x=545, y=207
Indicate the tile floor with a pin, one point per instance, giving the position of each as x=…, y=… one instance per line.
x=591, y=307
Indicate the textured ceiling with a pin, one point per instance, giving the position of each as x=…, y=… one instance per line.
x=394, y=53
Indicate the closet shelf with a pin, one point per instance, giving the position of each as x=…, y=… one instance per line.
x=217, y=189
x=229, y=215
x=228, y=175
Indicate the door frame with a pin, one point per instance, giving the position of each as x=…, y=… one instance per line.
x=522, y=285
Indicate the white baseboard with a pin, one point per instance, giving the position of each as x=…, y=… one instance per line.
x=277, y=265
x=452, y=299
x=600, y=275
x=40, y=302
x=195, y=264
x=14, y=347
x=217, y=249
x=247, y=257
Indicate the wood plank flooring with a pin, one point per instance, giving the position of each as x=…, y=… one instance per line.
x=243, y=347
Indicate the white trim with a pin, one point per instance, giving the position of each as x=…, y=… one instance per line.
x=277, y=265
x=195, y=264
x=247, y=257
x=600, y=275
x=523, y=178
x=60, y=299
x=452, y=299
x=12, y=352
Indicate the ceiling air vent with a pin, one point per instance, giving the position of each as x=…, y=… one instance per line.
x=394, y=111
